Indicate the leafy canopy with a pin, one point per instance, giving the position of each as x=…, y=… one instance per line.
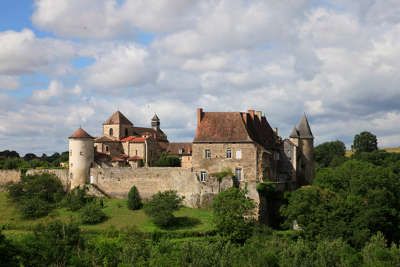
x=365, y=142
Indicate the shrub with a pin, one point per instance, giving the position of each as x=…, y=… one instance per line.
x=233, y=212
x=161, y=207
x=77, y=198
x=168, y=161
x=92, y=214
x=34, y=208
x=134, y=200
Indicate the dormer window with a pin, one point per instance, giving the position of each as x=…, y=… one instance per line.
x=111, y=132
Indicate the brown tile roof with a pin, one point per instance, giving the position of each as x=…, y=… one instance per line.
x=105, y=139
x=117, y=159
x=234, y=127
x=134, y=139
x=159, y=135
x=80, y=133
x=135, y=158
x=117, y=118
x=174, y=148
x=304, y=128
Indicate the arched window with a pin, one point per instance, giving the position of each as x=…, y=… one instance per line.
x=126, y=131
x=111, y=132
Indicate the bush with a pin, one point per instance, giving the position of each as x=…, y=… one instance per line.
x=168, y=161
x=134, y=200
x=34, y=208
x=161, y=207
x=77, y=198
x=233, y=212
x=92, y=214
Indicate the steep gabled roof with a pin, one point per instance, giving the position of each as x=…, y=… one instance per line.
x=80, y=133
x=155, y=118
x=304, y=128
x=230, y=127
x=105, y=139
x=175, y=148
x=118, y=118
x=294, y=133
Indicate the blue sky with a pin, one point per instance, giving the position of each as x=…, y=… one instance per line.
x=68, y=63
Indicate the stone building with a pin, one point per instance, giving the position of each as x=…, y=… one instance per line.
x=245, y=143
x=183, y=151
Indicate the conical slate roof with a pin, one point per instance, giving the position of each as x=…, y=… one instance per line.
x=80, y=133
x=118, y=118
x=295, y=133
x=304, y=128
x=155, y=118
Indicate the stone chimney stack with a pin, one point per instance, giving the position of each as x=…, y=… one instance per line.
x=251, y=112
x=259, y=115
x=199, y=115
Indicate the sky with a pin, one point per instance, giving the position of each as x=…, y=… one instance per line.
x=71, y=63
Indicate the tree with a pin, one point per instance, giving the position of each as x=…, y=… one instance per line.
x=233, y=214
x=92, y=214
x=221, y=175
x=161, y=207
x=168, y=161
x=134, y=200
x=365, y=142
x=329, y=152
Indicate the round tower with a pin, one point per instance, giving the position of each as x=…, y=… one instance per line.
x=307, y=149
x=81, y=157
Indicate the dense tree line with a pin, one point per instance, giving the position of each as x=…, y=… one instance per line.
x=11, y=160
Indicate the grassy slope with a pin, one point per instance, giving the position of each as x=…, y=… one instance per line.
x=119, y=216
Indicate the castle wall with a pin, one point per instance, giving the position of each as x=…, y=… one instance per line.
x=7, y=176
x=62, y=175
x=116, y=182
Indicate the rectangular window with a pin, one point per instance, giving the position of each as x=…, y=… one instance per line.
x=181, y=151
x=81, y=153
x=228, y=153
x=238, y=173
x=238, y=154
x=207, y=153
x=203, y=176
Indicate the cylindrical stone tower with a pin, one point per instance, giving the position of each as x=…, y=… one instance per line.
x=81, y=157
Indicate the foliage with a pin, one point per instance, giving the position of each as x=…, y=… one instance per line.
x=377, y=253
x=365, y=142
x=232, y=211
x=10, y=160
x=8, y=252
x=168, y=161
x=266, y=189
x=330, y=154
x=36, y=195
x=161, y=207
x=92, y=213
x=227, y=172
x=77, y=198
x=134, y=200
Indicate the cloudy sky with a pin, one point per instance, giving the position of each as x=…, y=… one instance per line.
x=66, y=63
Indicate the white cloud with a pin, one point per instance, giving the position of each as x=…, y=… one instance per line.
x=55, y=90
x=8, y=82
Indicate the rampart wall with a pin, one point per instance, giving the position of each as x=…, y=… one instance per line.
x=62, y=174
x=9, y=176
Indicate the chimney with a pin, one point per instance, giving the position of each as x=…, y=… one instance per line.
x=199, y=115
x=251, y=112
x=276, y=131
x=259, y=115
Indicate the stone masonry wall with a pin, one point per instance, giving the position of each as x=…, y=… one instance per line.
x=117, y=182
x=8, y=176
x=62, y=174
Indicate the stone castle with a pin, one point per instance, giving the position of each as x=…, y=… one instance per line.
x=244, y=142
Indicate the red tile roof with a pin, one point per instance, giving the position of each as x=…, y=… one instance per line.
x=80, y=133
x=134, y=139
x=118, y=118
x=117, y=159
x=106, y=139
x=234, y=127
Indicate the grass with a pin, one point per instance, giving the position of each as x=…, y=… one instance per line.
x=119, y=217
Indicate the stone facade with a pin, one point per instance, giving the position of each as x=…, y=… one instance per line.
x=7, y=176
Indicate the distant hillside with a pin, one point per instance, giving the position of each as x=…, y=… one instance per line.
x=389, y=149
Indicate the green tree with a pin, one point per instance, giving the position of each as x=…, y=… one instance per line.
x=168, y=161
x=8, y=252
x=329, y=152
x=92, y=214
x=134, y=200
x=227, y=172
x=365, y=142
x=233, y=214
x=161, y=207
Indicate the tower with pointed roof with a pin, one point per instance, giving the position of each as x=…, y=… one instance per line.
x=117, y=126
x=305, y=140
x=81, y=157
x=155, y=123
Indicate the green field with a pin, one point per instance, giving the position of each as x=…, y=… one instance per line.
x=119, y=216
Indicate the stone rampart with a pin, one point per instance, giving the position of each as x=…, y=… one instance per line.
x=117, y=182
x=8, y=176
x=62, y=174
